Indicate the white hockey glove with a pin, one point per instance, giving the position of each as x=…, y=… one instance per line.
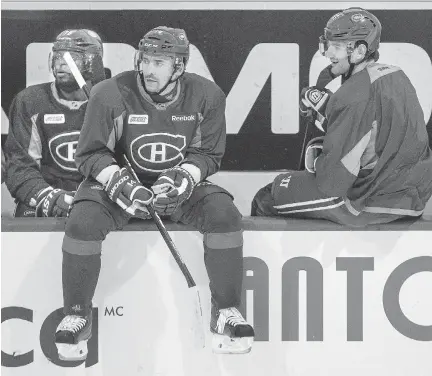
x=313, y=150
x=313, y=102
x=129, y=194
x=52, y=202
x=172, y=188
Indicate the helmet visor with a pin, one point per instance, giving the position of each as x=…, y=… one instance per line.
x=56, y=58
x=323, y=45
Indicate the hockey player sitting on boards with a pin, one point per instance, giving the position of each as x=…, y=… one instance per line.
x=374, y=163
x=171, y=126
x=45, y=122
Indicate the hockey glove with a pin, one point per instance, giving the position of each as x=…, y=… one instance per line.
x=172, y=188
x=129, y=194
x=313, y=102
x=313, y=150
x=52, y=202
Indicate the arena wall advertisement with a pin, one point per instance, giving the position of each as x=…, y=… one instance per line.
x=323, y=300
x=334, y=303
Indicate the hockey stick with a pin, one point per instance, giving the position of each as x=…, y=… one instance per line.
x=77, y=74
x=181, y=264
x=163, y=231
x=324, y=78
x=308, y=123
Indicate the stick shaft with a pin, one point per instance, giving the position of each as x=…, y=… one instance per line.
x=76, y=73
x=167, y=238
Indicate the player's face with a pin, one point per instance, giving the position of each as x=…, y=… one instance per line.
x=338, y=54
x=157, y=70
x=63, y=75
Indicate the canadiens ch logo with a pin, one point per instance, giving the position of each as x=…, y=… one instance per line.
x=138, y=119
x=54, y=119
x=315, y=96
x=62, y=149
x=156, y=152
x=357, y=17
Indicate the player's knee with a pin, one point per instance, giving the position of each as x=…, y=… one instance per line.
x=87, y=221
x=221, y=215
x=263, y=203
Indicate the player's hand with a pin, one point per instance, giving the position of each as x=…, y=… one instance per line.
x=313, y=102
x=52, y=202
x=172, y=188
x=129, y=194
x=313, y=150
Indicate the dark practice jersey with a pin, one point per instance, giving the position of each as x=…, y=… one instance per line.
x=40, y=147
x=376, y=150
x=121, y=118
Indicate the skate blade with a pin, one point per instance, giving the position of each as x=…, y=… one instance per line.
x=226, y=345
x=72, y=352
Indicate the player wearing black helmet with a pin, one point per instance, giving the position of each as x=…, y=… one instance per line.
x=171, y=126
x=45, y=122
x=374, y=164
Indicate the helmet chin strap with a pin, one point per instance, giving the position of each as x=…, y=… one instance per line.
x=350, y=70
x=157, y=96
x=352, y=66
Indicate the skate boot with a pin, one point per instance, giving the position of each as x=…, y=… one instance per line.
x=231, y=333
x=71, y=337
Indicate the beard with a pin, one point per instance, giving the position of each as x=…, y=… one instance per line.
x=67, y=86
x=340, y=69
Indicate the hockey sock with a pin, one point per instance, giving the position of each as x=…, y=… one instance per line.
x=80, y=274
x=225, y=271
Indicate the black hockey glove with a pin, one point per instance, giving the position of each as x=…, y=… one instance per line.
x=129, y=194
x=52, y=202
x=313, y=102
x=313, y=150
x=172, y=188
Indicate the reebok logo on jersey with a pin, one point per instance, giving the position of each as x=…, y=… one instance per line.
x=138, y=119
x=183, y=118
x=54, y=119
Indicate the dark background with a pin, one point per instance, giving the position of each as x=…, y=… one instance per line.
x=225, y=38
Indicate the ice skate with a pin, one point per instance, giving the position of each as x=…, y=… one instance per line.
x=231, y=333
x=71, y=337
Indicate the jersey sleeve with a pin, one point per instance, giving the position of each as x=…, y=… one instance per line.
x=102, y=128
x=348, y=135
x=23, y=152
x=208, y=144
